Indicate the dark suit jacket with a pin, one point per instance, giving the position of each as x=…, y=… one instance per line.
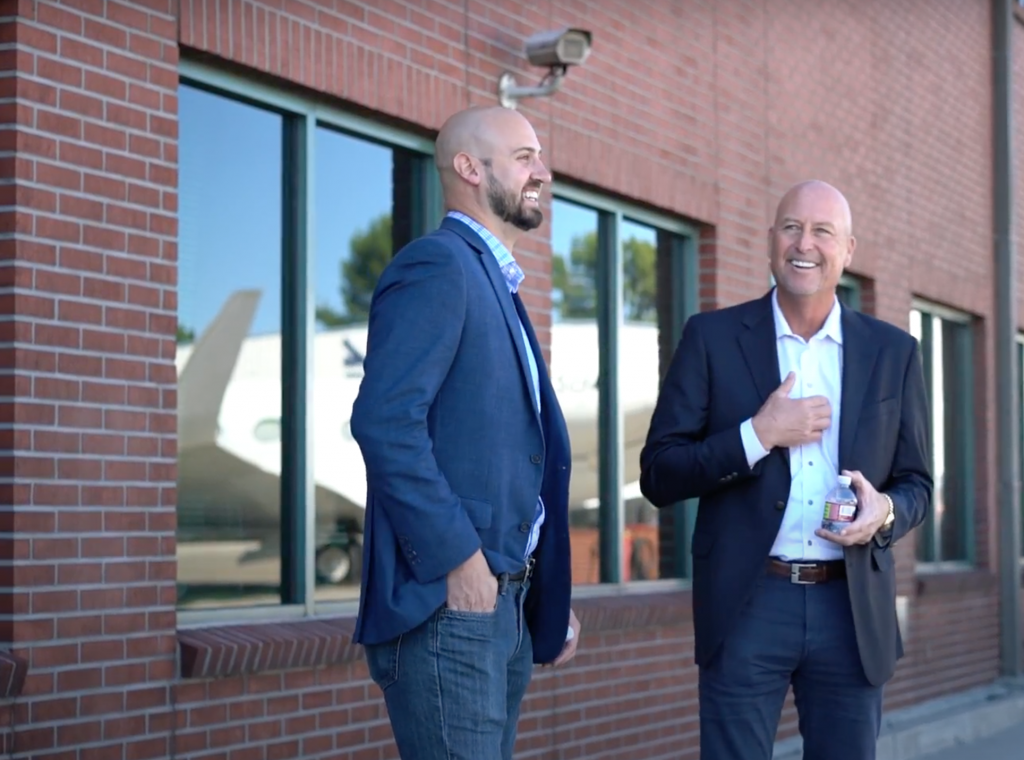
x=723, y=370
x=456, y=454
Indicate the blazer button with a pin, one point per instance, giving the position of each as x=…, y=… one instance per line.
x=535, y=458
x=525, y=527
x=780, y=505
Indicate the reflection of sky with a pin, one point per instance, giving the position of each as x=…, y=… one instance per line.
x=230, y=206
x=937, y=398
x=568, y=221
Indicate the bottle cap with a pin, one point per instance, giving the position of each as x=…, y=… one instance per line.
x=844, y=480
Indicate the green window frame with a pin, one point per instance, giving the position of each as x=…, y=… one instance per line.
x=683, y=270
x=422, y=209
x=946, y=340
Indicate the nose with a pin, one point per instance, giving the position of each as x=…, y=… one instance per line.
x=806, y=242
x=540, y=173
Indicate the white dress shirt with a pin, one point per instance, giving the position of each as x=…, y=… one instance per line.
x=818, y=364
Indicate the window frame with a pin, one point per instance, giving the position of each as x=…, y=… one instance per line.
x=855, y=288
x=610, y=316
x=1019, y=342
x=302, y=116
x=965, y=380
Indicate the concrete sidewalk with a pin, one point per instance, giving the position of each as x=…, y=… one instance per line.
x=1006, y=745
x=960, y=727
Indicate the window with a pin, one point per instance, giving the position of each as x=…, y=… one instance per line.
x=621, y=285
x=1020, y=424
x=849, y=292
x=289, y=212
x=947, y=536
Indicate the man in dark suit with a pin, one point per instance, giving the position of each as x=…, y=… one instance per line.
x=466, y=572
x=763, y=406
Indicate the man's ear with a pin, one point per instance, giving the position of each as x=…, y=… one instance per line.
x=850, y=250
x=467, y=168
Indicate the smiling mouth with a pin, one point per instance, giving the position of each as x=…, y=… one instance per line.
x=803, y=265
x=532, y=195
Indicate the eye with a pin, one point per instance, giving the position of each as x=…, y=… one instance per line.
x=823, y=231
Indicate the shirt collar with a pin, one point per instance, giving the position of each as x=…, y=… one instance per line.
x=832, y=328
x=506, y=261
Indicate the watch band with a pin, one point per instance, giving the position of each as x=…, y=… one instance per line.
x=891, y=517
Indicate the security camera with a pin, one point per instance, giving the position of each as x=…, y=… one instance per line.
x=555, y=50
x=560, y=48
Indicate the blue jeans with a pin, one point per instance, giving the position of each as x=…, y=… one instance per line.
x=454, y=684
x=790, y=634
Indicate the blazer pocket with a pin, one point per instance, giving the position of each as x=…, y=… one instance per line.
x=479, y=512
x=882, y=558
x=881, y=409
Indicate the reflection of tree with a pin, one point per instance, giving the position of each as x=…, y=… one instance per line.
x=575, y=281
x=369, y=252
x=186, y=334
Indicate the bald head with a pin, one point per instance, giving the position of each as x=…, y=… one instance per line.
x=488, y=158
x=821, y=194
x=476, y=131
x=811, y=243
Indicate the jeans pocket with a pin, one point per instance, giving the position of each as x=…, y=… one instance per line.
x=382, y=662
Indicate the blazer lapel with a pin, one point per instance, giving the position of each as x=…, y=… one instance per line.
x=859, y=356
x=760, y=348
x=500, y=286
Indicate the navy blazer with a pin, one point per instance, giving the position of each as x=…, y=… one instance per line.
x=455, y=451
x=724, y=369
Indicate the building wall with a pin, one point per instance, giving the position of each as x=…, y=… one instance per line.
x=702, y=110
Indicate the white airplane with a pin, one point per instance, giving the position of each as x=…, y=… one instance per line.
x=229, y=440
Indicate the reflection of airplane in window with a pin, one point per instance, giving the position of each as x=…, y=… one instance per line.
x=229, y=433
x=353, y=357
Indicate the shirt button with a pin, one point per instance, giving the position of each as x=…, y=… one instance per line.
x=535, y=458
x=525, y=527
x=780, y=505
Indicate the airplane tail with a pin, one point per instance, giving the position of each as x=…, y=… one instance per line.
x=204, y=379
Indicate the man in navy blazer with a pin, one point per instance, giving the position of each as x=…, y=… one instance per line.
x=764, y=405
x=466, y=572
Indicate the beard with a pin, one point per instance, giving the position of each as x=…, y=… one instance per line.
x=508, y=206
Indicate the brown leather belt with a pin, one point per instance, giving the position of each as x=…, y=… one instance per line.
x=807, y=573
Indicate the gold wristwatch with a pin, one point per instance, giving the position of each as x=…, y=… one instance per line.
x=891, y=517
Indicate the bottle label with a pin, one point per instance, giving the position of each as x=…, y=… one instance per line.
x=840, y=512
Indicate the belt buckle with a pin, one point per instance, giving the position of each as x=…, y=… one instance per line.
x=794, y=574
x=528, y=571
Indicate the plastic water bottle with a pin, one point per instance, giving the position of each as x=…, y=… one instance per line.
x=840, y=506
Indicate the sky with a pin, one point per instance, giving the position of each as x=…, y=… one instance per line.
x=230, y=207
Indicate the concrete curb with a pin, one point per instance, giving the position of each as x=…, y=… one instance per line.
x=960, y=719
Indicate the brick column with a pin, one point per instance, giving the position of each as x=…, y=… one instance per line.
x=88, y=154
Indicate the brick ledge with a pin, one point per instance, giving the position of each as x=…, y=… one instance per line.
x=232, y=650
x=12, y=674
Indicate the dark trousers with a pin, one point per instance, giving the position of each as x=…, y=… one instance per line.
x=790, y=634
x=453, y=685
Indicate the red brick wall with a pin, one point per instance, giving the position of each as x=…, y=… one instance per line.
x=88, y=287
x=703, y=109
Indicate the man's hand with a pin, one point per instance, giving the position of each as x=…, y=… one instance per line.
x=472, y=586
x=872, y=509
x=788, y=422
x=569, y=650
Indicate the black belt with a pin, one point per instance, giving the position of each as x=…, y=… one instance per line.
x=808, y=573
x=525, y=573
